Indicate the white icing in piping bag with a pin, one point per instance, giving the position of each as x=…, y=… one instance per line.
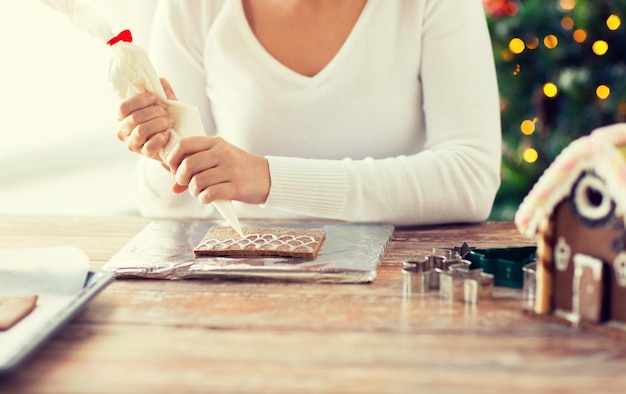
x=132, y=72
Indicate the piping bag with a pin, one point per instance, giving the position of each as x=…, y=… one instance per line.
x=131, y=72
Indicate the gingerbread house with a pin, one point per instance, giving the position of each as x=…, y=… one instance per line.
x=576, y=211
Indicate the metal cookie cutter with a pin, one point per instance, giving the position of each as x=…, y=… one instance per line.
x=416, y=276
x=422, y=275
x=530, y=285
x=442, y=260
x=459, y=283
x=446, y=271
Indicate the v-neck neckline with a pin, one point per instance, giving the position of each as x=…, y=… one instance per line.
x=280, y=67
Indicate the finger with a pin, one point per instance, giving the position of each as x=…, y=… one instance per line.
x=207, y=179
x=185, y=148
x=169, y=92
x=153, y=146
x=133, y=103
x=146, y=114
x=177, y=189
x=220, y=191
x=125, y=128
x=200, y=166
x=142, y=133
x=139, y=117
x=143, y=115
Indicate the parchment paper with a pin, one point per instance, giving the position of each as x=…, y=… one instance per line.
x=164, y=250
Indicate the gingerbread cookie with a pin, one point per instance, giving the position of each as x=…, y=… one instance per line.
x=13, y=309
x=261, y=241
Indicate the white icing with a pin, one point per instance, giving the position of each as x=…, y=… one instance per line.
x=562, y=253
x=619, y=266
x=585, y=261
x=587, y=208
x=263, y=241
x=582, y=261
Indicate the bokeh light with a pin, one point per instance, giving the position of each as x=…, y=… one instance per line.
x=506, y=55
x=567, y=23
x=516, y=45
x=550, y=90
x=600, y=47
x=550, y=41
x=567, y=5
x=527, y=127
x=603, y=92
x=512, y=8
x=530, y=155
x=613, y=22
x=580, y=35
x=532, y=42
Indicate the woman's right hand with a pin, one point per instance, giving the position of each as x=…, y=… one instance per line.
x=143, y=123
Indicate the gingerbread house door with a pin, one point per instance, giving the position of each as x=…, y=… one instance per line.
x=588, y=288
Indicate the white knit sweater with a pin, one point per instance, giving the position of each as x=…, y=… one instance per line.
x=402, y=126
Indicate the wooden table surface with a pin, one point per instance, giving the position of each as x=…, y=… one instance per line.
x=151, y=336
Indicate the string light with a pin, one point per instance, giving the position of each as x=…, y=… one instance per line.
x=530, y=155
x=603, y=92
x=517, y=69
x=600, y=47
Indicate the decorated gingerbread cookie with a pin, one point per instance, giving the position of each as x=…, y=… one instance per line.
x=261, y=241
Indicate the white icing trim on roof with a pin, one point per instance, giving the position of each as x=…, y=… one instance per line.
x=597, y=152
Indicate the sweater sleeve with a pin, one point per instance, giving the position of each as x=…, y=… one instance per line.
x=455, y=178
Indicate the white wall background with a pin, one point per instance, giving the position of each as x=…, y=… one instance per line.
x=58, y=150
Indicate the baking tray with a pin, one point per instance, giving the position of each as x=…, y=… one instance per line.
x=95, y=282
x=163, y=249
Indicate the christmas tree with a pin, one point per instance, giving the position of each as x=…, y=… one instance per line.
x=561, y=73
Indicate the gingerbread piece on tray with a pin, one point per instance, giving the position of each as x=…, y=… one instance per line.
x=15, y=308
x=261, y=241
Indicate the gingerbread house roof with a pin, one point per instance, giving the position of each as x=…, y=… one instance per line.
x=602, y=151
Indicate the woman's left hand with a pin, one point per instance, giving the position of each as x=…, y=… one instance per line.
x=212, y=169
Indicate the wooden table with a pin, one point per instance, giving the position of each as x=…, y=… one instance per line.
x=226, y=336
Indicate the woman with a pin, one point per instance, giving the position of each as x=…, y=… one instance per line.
x=363, y=111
